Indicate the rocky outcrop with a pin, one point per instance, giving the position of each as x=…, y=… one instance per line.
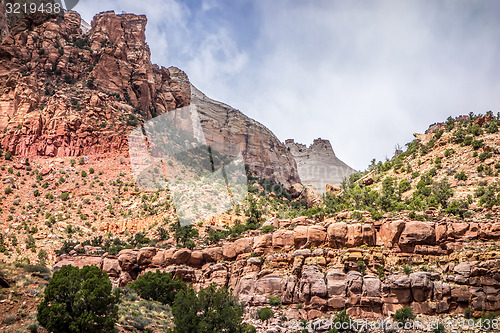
x=68, y=92
x=319, y=266
x=264, y=154
x=317, y=164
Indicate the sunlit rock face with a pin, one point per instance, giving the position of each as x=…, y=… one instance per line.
x=317, y=164
x=66, y=90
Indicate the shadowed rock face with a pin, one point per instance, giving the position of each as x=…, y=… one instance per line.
x=263, y=152
x=65, y=91
x=317, y=165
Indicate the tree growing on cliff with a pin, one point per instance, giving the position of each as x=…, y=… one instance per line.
x=79, y=300
x=158, y=286
x=211, y=310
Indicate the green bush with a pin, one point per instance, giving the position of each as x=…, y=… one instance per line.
x=442, y=191
x=484, y=155
x=8, y=156
x=404, y=185
x=274, y=300
x=342, y=320
x=407, y=269
x=212, y=310
x=64, y=196
x=404, y=314
x=79, y=300
x=461, y=176
x=265, y=314
x=361, y=267
x=268, y=229
x=158, y=286
x=8, y=190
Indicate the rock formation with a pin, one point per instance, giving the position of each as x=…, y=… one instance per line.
x=317, y=164
x=68, y=92
x=318, y=265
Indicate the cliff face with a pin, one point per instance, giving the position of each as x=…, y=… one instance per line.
x=266, y=156
x=68, y=92
x=318, y=265
x=317, y=165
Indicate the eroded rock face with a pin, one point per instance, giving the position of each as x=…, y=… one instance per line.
x=304, y=265
x=317, y=287
x=68, y=92
x=317, y=165
x=265, y=155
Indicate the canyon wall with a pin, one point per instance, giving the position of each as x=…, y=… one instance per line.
x=321, y=266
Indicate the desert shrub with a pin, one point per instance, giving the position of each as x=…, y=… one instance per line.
x=476, y=144
x=404, y=314
x=215, y=236
x=407, y=269
x=448, y=152
x=488, y=195
x=36, y=193
x=158, y=286
x=8, y=156
x=212, y=310
x=461, y=176
x=439, y=329
x=267, y=229
x=274, y=300
x=492, y=127
x=8, y=190
x=183, y=234
x=342, y=323
x=484, y=155
x=468, y=313
x=79, y=300
x=361, y=267
x=404, y=185
x=457, y=207
x=64, y=196
x=442, y=191
x=265, y=313
x=476, y=130
x=381, y=271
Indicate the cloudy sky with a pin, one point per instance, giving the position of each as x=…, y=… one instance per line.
x=364, y=74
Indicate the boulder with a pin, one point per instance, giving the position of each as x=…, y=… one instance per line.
x=416, y=232
x=111, y=266
x=145, y=256
x=128, y=260
x=312, y=283
x=337, y=234
x=300, y=236
x=283, y=238
x=390, y=232
x=336, y=283
x=316, y=235
x=372, y=287
x=421, y=286
x=181, y=256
